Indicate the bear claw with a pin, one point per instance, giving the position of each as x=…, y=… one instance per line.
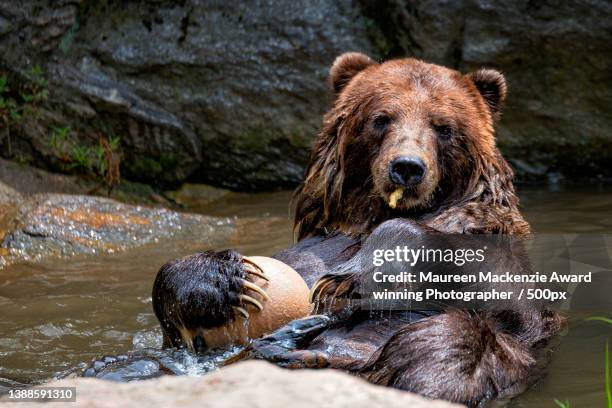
x=336, y=287
x=241, y=311
x=255, y=288
x=251, y=300
x=254, y=269
x=319, y=289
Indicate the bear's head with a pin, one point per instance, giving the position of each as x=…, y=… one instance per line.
x=403, y=139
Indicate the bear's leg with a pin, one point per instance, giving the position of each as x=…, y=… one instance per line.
x=203, y=291
x=461, y=356
x=284, y=347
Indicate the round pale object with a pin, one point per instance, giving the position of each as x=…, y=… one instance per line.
x=287, y=300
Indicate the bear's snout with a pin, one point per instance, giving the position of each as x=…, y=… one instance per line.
x=407, y=171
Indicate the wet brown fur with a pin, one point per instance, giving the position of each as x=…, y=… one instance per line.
x=473, y=191
x=461, y=356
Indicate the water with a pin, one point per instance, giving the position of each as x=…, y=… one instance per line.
x=62, y=312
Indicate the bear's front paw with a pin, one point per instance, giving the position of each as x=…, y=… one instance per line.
x=205, y=291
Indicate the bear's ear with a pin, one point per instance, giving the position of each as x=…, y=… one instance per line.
x=345, y=67
x=492, y=86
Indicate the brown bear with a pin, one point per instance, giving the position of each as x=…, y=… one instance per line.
x=406, y=151
x=423, y=127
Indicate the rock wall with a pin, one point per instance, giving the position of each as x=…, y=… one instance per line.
x=232, y=95
x=557, y=58
x=222, y=93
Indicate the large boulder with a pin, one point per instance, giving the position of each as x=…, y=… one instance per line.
x=58, y=225
x=254, y=384
x=557, y=58
x=203, y=89
x=212, y=92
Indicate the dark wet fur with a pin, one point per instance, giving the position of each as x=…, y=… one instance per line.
x=197, y=291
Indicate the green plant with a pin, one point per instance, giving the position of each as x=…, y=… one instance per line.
x=37, y=86
x=8, y=109
x=8, y=105
x=101, y=161
x=562, y=404
x=600, y=319
x=21, y=158
x=20, y=100
x=58, y=137
x=34, y=91
x=106, y=149
x=99, y=153
x=81, y=158
x=607, y=381
x=113, y=141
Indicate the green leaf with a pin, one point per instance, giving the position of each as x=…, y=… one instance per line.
x=36, y=71
x=607, y=376
x=562, y=404
x=41, y=95
x=61, y=132
x=113, y=141
x=81, y=156
x=15, y=115
x=600, y=319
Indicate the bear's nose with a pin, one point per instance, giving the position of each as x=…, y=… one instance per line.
x=407, y=171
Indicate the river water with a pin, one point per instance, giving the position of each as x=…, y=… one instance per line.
x=59, y=313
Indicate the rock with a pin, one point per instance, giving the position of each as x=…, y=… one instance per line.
x=206, y=90
x=9, y=202
x=197, y=195
x=27, y=180
x=253, y=383
x=66, y=225
x=232, y=96
x=9, y=199
x=557, y=58
x=6, y=385
x=8, y=194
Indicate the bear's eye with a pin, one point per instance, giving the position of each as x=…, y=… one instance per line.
x=381, y=122
x=444, y=132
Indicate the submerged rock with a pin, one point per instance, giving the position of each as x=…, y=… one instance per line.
x=196, y=195
x=66, y=225
x=254, y=384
